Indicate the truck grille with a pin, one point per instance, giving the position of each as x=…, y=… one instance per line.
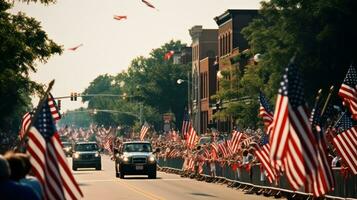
x=139, y=160
x=87, y=156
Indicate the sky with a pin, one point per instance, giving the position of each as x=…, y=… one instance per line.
x=110, y=45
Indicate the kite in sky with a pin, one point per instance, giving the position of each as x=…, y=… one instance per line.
x=75, y=48
x=149, y=4
x=120, y=17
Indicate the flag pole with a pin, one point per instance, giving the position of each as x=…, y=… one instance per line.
x=327, y=100
x=38, y=109
x=317, y=99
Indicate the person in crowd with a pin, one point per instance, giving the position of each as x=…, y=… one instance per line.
x=28, y=179
x=10, y=189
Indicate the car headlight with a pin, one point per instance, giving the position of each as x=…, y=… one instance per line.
x=151, y=159
x=96, y=154
x=125, y=159
x=76, y=155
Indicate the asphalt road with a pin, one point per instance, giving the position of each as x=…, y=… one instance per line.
x=103, y=185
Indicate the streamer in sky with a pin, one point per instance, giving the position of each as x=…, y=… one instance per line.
x=75, y=48
x=120, y=17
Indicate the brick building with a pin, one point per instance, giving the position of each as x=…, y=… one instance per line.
x=230, y=44
x=204, y=50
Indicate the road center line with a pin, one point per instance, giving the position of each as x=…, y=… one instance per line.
x=140, y=191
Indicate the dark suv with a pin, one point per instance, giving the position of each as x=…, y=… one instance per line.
x=135, y=158
x=86, y=155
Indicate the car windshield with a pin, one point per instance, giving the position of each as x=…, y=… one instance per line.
x=66, y=144
x=137, y=147
x=86, y=147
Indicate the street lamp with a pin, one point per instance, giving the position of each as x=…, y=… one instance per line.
x=180, y=81
x=219, y=75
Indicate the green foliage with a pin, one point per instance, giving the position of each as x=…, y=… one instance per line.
x=23, y=43
x=321, y=33
x=148, y=81
x=79, y=118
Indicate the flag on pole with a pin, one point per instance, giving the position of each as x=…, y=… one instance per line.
x=108, y=142
x=144, y=130
x=262, y=153
x=192, y=138
x=266, y=113
x=348, y=91
x=237, y=137
x=186, y=124
x=168, y=55
x=292, y=143
x=345, y=142
x=49, y=163
x=325, y=180
x=222, y=146
x=26, y=121
x=119, y=17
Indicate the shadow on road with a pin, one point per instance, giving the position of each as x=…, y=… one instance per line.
x=87, y=169
x=79, y=173
x=139, y=177
x=202, y=194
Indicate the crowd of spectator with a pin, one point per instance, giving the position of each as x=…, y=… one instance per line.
x=7, y=141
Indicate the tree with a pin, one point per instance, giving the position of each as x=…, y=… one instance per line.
x=148, y=82
x=23, y=43
x=321, y=33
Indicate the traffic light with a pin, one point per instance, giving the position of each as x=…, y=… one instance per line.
x=74, y=96
x=59, y=104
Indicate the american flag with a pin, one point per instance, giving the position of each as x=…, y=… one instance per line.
x=325, y=180
x=345, y=142
x=192, y=138
x=49, y=164
x=348, y=91
x=237, y=137
x=108, y=143
x=214, y=150
x=292, y=143
x=26, y=121
x=222, y=146
x=173, y=153
x=191, y=164
x=186, y=124
x=265, y=112
x=168, y=55
x=262, y=153
x=144, y=130
x=247, y=141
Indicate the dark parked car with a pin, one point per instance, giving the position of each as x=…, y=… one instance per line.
x=86, y=155
x=135, y=158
